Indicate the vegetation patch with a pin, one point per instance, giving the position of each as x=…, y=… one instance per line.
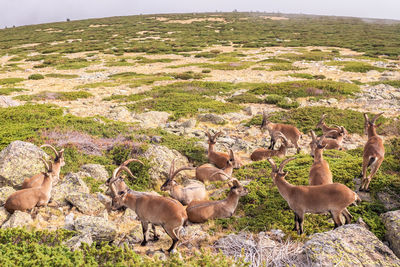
x=9, y=90
x=36, y=77
x=283, y=67
x=62, y=76
x=6, y=81
x=353, y=66
x=63, y=96
x=309, y=56
x=394, y=83
x=245, y=98
x=306, y=76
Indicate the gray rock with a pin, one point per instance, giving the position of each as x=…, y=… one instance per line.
x=152, y=119
x=85, y=203
x=20, y=160
x=3, y=215
x=332, y=101
x=156, y=139
x=75, y=242
x=235, y=117
x=100, y=228
x=210, y=117
x=5, y=192
x=18, y=219
x=72, y=183
x=343, y=80
x=189, y=123
x=6, y=102
x=120, y=113
x=391, y=220
x=96, y=171
x=349, y=245
x=106, y=200
x=69, y=221
x=251, y=110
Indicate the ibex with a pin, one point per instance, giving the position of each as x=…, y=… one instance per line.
x=27, y=199
x=374, y=152
x=329, y=143
x=38, y=179
x=333, y=198
x=201, y=211
x=187, y=194
x=330, y=132
x=262, y=153
x=219, y=159
x=289, y=131
x=208, y=172
x=319, y=171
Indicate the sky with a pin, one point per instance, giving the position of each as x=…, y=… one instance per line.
x=25, y=12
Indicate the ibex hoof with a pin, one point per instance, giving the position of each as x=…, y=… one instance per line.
x=367, y=190
x=143, y=243
x=156, y=238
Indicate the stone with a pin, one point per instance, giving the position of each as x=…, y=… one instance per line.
x=5, y=192
x=349, y=245
x=69, y=221
x=120, y=113
x=106, y=200
x=100, y=228
x=75, y=242
x=85, y=203
x=6, y=102
x=251, y=110
x=332, y=101
x=18, y=219
x=3, y=215
x=191, y=123
x=96, y=171
x=343, y=80
x=152, y=119
x=210, y=117
x=193, y=234
x=20, y=160
x=391, y=220
x=235, y=117
x=72, y=183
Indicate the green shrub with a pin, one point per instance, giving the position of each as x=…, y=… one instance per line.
x=36, y=76
x=307, y=76
x=10, y=80
x=287, y=104
x=283, y=67
x=63, y=96
x=245, y=98
x=187, y=75
x=273, y=99
x=9, y=90
x=62, y=76
x=206, y=71
x=394, y=83
x=354, y=66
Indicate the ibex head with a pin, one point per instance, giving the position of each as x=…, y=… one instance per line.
x=278, y=171
x=237, y=188
x=170, y=182
x=264, y=121
x=370, y=124
x=212, y=140
x=321, y=121
x=59, y=155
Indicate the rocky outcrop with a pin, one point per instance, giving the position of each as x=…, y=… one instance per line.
x=85, y=203
x=5, y=192
x=349, y=245
x=391, y=220
x=72, y=183
x=152, y=119
x=20, y=160
x=99, y=228
x=96, y=171
x=3, y=215
x=75, y=242
x=18, y=219
x=6, y=102
x=210, y=117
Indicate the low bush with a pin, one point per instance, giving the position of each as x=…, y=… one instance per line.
x=10, y=80
x=62, y=96
x=36, y=76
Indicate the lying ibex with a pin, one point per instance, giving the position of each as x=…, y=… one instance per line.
x=333, y=198
x=262, y=153
x=330, y=132
x=319, y=171
x=219, y=159
x=201, y=211
x=374, y=151
x=329, y=143
x=38, y=179
x=187, y=194
x=27, y=199
x=289, y=131
x=208, y=172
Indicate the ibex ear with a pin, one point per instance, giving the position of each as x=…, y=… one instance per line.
x=121, y=193
x=235, y=183
x=379, y=124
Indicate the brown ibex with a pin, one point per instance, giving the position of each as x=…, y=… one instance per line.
x=201, y=211
x=219, y=159
x=208, y=172
x=38, y=179
x=319, y=171
x=289, y=131
x=329, y=143
x=262, y=153
x=330, y=132
x=333, y=198
x=374, y=152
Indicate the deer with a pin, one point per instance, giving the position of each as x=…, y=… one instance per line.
x=202, y=211
x=334, y=132
x=374, y=151
x=329, y=143
x=208, y=172
x=333, y=198
x=289, y=131
x=319, y=171
x=219, y=159
x=262, y=153
x=184, y=195
x=29, y=198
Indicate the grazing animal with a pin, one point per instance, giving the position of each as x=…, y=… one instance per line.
x=289, y=131
x=374, y=151
x=208, y=172
x=333, y=198
x=29, y=198
x=329, y=143
x=319, y=171
x=334, y=132
x=262, y=153
x=219, y=159
x=38, y=179
x=201, y=211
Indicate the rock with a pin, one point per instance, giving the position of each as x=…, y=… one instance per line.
x=106, y=200
x=349, y=245
x=5, y=192
x=20, y=160
x=96, y=171
x=251, y=110
x=391, y=220
x=120, y=114
x=191, y=123
x=235, y=117
x=72, y=183
x=75, y=242
x=3, y=215
x=210, y=117
x=69, y=221
x=85, y=203
x=18, y=219
x=6, y=102
x=152, y=119
x=332, y=101
x=372, y=73
x=100, y=228
x=156, y=139
x=193, y=235
x=389, y=199
x=343, y=80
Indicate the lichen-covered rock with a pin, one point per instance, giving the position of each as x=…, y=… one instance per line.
x=3, y=215
x=75, y=242
x=85, y=203
x=96, y=171
x=100, y=228
x=72, y=183
x=6, y=102
x=391, y=220
x=210, y=117
x=349, y=245
x=152, y=119
x=20, y=160
x=5, y=192
x=18, y=219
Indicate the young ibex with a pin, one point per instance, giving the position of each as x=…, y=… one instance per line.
x=201, y=211
x=38, y=179
x=289, y=131
x=262, y=153
x=329, y=143
x=219, y=159
x=333, y=198
x=187, y=194
x=374, y=152
x=29, y=198
x=330, y=132
x=208, y=172
x=319, y=171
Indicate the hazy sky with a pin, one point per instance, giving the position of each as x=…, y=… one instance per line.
x=23, y=12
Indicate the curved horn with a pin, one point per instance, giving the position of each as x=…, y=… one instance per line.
x=222, y=173
x=124, y=168
x=273, y=165
x=366, y=117
x=313, y=136
x=171, y=169
x=231, y=155
x=52, y=148
x=114, y=175
x=216, y=135
x=181, y=169
x=280, y=135
x=126, y=162
x=45, y=164
x=323, y=116
x=283, y=163
x=208, y=135
x=376, y=117
x=264, y=119
x=113, y=189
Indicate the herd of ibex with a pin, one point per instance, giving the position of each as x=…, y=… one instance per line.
x=320, y=196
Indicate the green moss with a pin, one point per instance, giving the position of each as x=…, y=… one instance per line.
x=63, y=96
x=306, y=76
x=62, y=76
x=394, y=83
x=283, y=67
x=125, y=98
x=309, y=56
x=353, y=66
x=187, y=75
x=36, y=76
x=9, y=90
x=6, y=81
x=245, y=98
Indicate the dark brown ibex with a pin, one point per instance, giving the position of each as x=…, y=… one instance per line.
x=262, y=153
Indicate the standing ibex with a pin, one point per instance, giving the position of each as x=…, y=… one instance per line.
x=329, y=143
x=374, y=151
x=319, y=171
x=333, y=198
x=219, y=159
x=334, y=132
x=38, y=179
x=185, y=195
x=262, y=153
x=208, y=172
x=289, y=131
x=201, y=211
x=27, y=199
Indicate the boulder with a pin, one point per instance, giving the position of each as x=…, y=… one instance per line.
x=18, y=219
x=85, y=203
x=75, y=242
x=6, y=102
x=391, y=220
x=99, y=228
x=5, y=192
x=3, y=215
x=152, y=119
x=96, y=171
x=20, y=160
x=349, y=245
x=210, y=117
x=72, y=183
x=120, y=113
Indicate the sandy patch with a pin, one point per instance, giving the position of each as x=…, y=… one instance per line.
x=97, y=25
x=274, y=18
